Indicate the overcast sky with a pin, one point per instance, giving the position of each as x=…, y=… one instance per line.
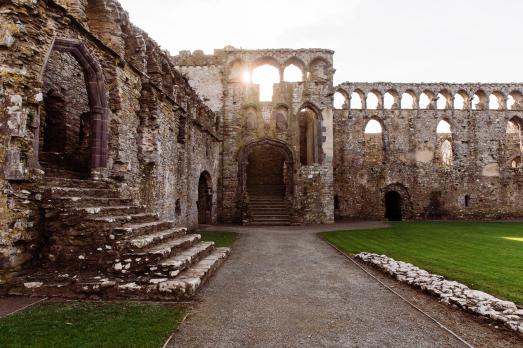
x=374, y=40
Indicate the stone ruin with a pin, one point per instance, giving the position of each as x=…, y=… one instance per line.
x=111, y=148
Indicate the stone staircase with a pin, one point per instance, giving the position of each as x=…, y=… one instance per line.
x=105, y=245
x=268, y=207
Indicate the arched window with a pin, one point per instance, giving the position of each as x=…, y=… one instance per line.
x=442, y=102
x=495, y=101
x=373, y=127
x=356, y=103
x=479, y=101
x=266, y=76
x=446, y=153
x=374, y=143
x=515, y=100
x=407, y=101
x=514, y=141
x=372, y=101
x=460, y=101
x=340, y=102
x=424, y=101
x=443, y=128
x=444, y=135
x=292, y=74
x=310, y=127
x=389, y=101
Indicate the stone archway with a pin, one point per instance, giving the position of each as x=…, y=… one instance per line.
x=397, y=202
x=204, y=203
x=274, y=151
x=94, y=121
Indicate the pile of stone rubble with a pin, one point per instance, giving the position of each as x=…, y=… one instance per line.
x=450, y=292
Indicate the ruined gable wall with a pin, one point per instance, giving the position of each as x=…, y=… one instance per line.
x=481, y=166
x=148, y=102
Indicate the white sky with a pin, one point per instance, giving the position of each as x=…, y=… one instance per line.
x=374, y=40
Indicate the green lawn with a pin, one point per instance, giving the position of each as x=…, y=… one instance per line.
x=90, y=325
x=221, y=239
x=484, y=256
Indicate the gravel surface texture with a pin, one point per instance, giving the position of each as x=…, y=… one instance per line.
x=285, y=287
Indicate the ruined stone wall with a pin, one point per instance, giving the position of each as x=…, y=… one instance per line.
x=480, y=183
x=148, y=102
x=246, y=120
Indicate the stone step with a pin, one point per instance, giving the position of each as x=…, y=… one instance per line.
x=80, y=202
x=124, y=219
x=56, y=192
x=268, y=223
x=143, y=228
x=277, y=207
x=141, y=261
x=152, y=239
x=77, y=183
x=101, y=211
x=182, y=287
x=270, y=215
x=197, y=275
x=182, y=260
x=51, y=171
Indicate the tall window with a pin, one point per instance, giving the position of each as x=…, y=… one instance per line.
x=444, y=135
x=266, y=76
x=374, y=144
x=310, y=146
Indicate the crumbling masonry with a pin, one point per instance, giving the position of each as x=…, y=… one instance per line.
x=110, y=147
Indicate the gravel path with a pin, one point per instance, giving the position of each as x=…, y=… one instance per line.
x=286, y=287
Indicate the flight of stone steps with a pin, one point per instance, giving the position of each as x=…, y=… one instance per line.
x=268, y=207
x=107, y=246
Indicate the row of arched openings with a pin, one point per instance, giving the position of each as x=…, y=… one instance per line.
x=429, y=101
x=270, y=73
x=374, y=141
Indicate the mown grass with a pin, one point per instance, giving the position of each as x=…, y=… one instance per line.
x=90, y=325
x=220, y=239
x=484, y=256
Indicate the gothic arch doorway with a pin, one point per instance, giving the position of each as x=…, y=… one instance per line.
x=204, y=203
x=72, y=137
x=266, y=165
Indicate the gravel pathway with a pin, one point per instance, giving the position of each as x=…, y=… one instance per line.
x=286, y=287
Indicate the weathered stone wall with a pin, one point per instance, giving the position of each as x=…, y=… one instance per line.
x=148, y=102
x=247, y=120
x=480, y=183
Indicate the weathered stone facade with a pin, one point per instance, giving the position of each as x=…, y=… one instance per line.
x=249, y=123
x=85, y=94
x=148, y=131
x=482, y=179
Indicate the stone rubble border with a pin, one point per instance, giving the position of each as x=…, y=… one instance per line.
x=450, y=292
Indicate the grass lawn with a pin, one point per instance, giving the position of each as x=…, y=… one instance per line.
x=220, y=239
x=90, y=325
x=484, y=256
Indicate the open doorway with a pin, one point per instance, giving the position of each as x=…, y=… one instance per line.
x=204, y=199
x=393, y=206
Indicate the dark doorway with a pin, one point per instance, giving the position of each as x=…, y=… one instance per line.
x=266, y=172
x=65, y=118
x=393, y=206
x=204, y=199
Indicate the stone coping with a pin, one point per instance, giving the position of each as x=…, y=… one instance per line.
x=450, y=292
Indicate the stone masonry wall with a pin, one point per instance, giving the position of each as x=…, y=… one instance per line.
x=481, y=182
x=152, y=159
x=246, y=120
